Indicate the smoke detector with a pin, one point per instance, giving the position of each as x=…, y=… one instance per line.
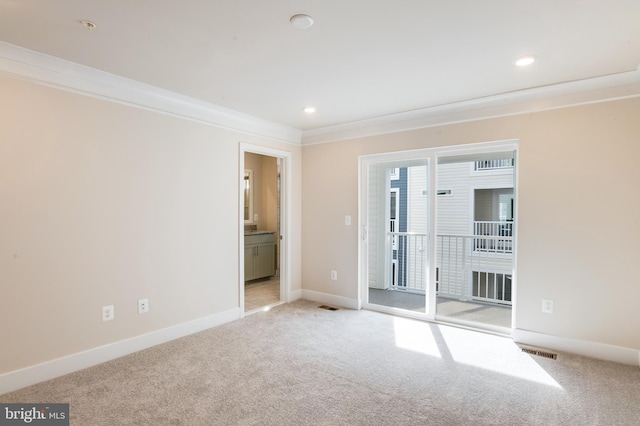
x=301, y=21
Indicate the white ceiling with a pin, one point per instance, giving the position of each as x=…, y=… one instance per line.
x=361, y=59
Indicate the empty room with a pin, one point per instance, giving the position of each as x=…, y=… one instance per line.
x=334, y=213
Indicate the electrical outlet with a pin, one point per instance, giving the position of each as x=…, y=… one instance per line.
x=547, y=306
x=108, y=313
x=347, y=220
x=143, y=306
x=334, y=275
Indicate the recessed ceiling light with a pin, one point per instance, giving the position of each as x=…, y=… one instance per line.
x=301, y=21
x=525, y=61
x=88, y=24
x=310, y=110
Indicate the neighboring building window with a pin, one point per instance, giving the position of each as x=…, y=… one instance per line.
x=505, y=206
x=394, y=173
x=394, y=207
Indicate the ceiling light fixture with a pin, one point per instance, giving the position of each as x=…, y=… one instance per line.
x=88, y=24
x=301, y=21
x=525, y=61
x=310, y=110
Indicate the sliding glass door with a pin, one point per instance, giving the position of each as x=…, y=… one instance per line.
x=438, y=234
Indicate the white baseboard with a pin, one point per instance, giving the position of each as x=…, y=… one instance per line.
x=27, y=376
x=330, y=299
x=580, y=347
x=295, y=295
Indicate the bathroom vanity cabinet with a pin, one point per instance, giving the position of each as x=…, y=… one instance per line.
x=259, y=255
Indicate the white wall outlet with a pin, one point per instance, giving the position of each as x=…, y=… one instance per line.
x=547, y=306
x=334, y=275
x=143, y=306
x=108, y=313
x=347, y=220
x=255, y=217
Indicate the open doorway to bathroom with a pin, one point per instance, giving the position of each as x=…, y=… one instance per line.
x=262, y=251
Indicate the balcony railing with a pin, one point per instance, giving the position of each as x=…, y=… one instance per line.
x=468, y=267
x=493, y=228
x=502, y=163
x=409, y=251
x=472, y=267
x=501, y=230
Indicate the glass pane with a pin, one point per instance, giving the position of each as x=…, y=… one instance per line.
x=474, y=258
x=397, y=235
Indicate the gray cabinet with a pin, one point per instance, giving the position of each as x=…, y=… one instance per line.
x=259, y=255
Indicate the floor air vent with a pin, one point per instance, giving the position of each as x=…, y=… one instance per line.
x=328, y=308
x=538, y=352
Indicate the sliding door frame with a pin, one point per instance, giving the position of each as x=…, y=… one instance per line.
x=432, y=157
x=363, y=207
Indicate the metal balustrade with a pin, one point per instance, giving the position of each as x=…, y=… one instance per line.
x=468, y=267
x=472, y=267
x=409, y=250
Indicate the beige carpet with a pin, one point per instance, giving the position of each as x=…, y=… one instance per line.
x=300, y=365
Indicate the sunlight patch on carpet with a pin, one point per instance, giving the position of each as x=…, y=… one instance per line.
x=494, y=353
x=481, y=350
x=415, y=336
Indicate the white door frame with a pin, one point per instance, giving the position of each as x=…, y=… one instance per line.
x=363, y=200
x=285, y=219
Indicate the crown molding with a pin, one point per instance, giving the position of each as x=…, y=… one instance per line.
x=581, y=92
x=18, y=62
x=35, y=67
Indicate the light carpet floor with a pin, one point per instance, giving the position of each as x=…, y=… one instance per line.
x=300, y=365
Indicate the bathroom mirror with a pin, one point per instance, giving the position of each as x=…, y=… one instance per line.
x=248, y=196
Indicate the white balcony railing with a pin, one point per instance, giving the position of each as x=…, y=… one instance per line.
x=472, y=267
x=502, y=163
x=468, y=267
x=493, y=228
x=409, y=251
x=487, y=230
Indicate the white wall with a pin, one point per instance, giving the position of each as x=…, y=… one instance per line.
x=102, y=203
x=578, y=202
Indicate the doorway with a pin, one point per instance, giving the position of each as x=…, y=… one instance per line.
x=263, y=253
x=438, y=234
